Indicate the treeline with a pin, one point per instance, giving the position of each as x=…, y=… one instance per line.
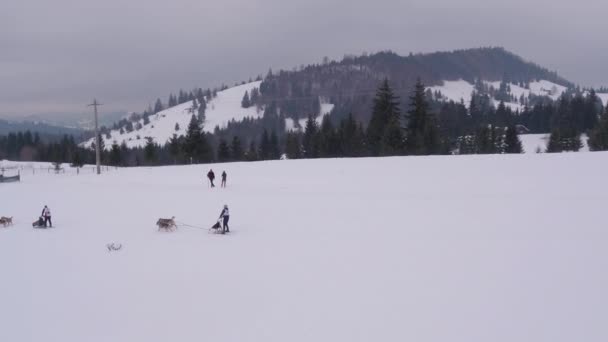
x=27, y=146
x=424, y=128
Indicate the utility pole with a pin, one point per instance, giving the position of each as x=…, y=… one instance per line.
x=97, y=142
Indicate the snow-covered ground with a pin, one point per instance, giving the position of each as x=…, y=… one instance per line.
x=534, y=142
x=220, y=110
x=469, y=248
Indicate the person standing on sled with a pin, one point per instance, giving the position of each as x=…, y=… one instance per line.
x=211, y=177
x=225, y=215
x=46, y=214
x=224, y=176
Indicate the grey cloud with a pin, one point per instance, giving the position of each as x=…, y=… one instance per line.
x=57, y=55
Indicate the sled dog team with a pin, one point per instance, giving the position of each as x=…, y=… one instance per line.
x=221, y=226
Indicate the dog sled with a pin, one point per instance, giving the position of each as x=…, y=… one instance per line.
x=39, y=223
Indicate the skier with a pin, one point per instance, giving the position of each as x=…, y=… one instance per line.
x=226, y=216
x=46, y=214
x=224, y=175
x=211, y=177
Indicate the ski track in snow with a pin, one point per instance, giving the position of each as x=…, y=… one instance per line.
x=450, y=248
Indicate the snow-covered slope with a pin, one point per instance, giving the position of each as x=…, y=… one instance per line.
x=461, y=90
x=500, y=248
x=220, y=110
x=604, y=98
x=290, y=125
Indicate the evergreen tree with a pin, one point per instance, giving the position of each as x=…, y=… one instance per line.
x=77, y=159
x=115, y=155
x=201, y=111
x=310, y=141
x=274, y=148
x=150, y=153
x=292, y=146
x=158, y=106
x=175, y=147
x=245, y=103
x=264, y=150
x=252, y=153
x=176, y=127
x=554, y=145
x=236, y=149
x=592, y=108
x=382, y=128
x=598, y=139
x=195, y=144
x=422, y=131
x=512, y=142
x=146, y=118
x=223, y=152
x=564, y=133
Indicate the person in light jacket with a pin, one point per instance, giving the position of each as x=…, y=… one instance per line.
x=46, y=214
x=225, y=215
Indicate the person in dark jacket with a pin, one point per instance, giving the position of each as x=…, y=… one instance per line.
x=225, y=215
x=46, y=214
x=224, y=176
x=211, y=177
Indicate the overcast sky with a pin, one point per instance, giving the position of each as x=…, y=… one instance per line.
x=55, y=56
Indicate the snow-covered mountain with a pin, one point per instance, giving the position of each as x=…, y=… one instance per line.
x=223, y=108
x=226, y=106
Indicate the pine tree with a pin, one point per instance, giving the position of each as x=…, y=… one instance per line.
x=175, y=147
x=422, y=131
x=150, y=153
x=512, y=142
x=555, y=142
x=310, y=141
x=385, y=118
x=202, y=107
x=158, y=106
x=252, y=153
x=564, y=133
x=264, y=150
x=592, y=107
x=176, y=127
x=172, y=101
x=115, y=155
x=195, y=145
x=236, y=149
x=245, y=103
x=223, y=152
x=598, y=139
x=274, y=148
x=77, y=160
x=146, y=118
x=292, y=146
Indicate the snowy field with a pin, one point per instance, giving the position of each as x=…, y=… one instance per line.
x=463, y=248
